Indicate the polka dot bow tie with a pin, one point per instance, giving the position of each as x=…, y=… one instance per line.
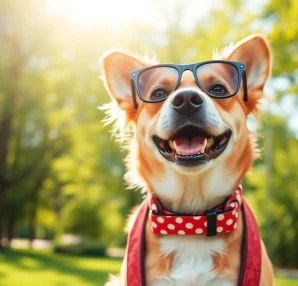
x=221, y=219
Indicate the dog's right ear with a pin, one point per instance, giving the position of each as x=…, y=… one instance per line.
x=117, y=67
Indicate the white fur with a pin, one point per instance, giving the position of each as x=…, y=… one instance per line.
x=190, y=195
x=193, y=257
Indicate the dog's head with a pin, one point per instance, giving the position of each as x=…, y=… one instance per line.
x=198, y=119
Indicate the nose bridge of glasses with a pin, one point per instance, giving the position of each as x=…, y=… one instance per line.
x=187, y=79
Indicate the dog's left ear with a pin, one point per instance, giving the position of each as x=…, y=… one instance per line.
x=254, y=52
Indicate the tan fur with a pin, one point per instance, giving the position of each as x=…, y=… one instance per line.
x=148, y=170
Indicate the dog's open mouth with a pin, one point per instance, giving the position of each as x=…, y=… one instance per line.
x=191, y=146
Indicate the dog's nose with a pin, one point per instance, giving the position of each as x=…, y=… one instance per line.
x=187, y=102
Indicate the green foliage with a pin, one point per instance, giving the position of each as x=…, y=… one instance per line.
x=80, y=216
x=85, y=248
x=276, y=196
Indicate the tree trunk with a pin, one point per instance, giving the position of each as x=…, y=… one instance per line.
x=32, y=225
x=5, y=133
x=33, y=213
x=5, y=130
x=10, y=229
x=2, y=214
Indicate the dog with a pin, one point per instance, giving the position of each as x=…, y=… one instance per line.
x=190, y=151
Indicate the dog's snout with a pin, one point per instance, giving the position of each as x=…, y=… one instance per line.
x=187, y=102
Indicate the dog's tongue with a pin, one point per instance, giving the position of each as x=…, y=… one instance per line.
x=189, y=146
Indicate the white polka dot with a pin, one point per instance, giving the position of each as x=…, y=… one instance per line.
x=181, y=232
x=232, y=205
x=220, y=217
x=196, y=217
x=160, y=219
x=235, y=225
x=154, y=224
x=205, y=223
x=219, y=229
x=171, y=226
x=163, y=231
x=229, y=221
x=179, y=220
x=189, y=225
x=199, y=231
x=153, y=207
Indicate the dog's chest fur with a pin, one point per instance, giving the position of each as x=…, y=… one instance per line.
x=193, y=256
x=193, y=261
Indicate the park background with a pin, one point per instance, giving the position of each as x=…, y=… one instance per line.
x=61, y=172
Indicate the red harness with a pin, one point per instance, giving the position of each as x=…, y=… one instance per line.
x=222, y=218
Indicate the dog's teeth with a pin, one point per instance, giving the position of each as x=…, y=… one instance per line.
x=210, y=142
x=204, y=146
x=175, y=147
x=171, y=144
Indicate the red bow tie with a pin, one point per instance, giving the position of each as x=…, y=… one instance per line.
x=221, y=219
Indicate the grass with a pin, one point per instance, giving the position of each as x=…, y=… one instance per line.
x=24, y=268
x=35, y=268
x=283, y=281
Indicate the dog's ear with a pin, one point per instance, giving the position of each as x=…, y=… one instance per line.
x=117, y=67
x=254, y=52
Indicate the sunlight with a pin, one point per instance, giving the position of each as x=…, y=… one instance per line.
x=115, y=13
x=88, y=13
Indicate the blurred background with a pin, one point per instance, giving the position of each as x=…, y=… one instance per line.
x=61, y=174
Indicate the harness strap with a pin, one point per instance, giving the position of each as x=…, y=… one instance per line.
x=250, y=268
x=251, y=256
x=136, y=248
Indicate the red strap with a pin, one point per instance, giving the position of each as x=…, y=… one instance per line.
x=250, y=269
x=136, y=248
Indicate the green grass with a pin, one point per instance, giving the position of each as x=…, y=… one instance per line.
x=37, y=268
x=32, y=268
x=283, y=281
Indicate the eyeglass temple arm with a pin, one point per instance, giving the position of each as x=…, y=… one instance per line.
x=245, y=86
x=133, y=92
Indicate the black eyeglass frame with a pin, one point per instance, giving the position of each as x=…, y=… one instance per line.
x=181, y=68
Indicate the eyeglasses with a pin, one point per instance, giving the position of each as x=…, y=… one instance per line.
x=218, y=78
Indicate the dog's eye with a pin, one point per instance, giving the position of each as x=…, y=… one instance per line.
x=218, y=89
x=158, y=93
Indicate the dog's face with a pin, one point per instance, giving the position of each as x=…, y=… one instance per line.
x=191, y=131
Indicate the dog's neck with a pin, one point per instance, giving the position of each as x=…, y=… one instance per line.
x=193, y=193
